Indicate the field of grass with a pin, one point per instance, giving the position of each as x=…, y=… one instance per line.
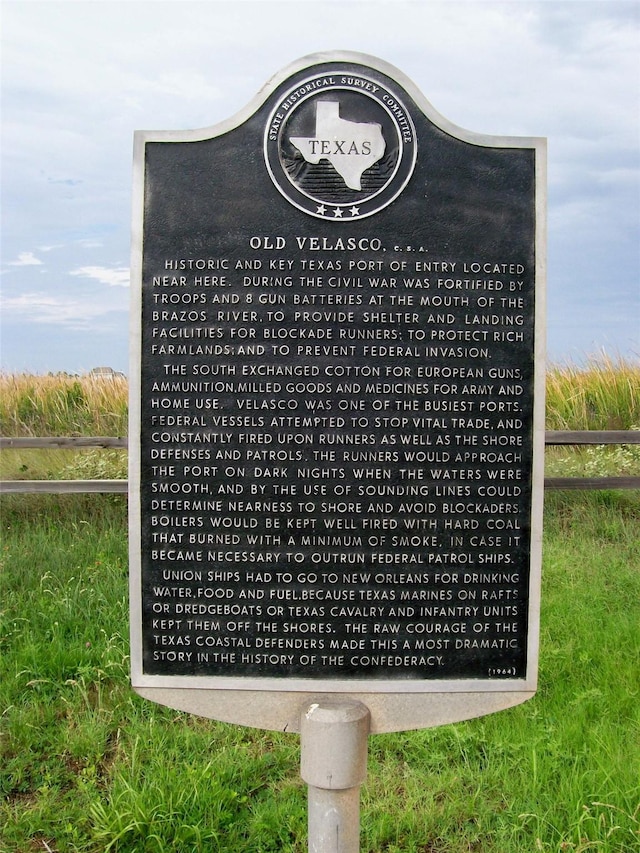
x=604, y=394
x=59, y=404
x=86, y=765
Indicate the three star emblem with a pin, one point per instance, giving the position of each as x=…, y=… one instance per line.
x=321, y=210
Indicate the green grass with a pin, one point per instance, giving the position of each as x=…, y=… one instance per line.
x=87, y=765
x=46, y=464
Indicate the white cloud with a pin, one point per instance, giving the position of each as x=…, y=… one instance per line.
x=69, y=312
x=26, y=259
x=114, y=277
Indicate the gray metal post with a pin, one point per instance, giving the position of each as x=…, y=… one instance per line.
x=333, y=763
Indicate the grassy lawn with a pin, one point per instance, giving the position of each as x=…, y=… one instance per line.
x=86, y=765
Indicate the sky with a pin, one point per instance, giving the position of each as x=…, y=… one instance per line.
x=79, y=77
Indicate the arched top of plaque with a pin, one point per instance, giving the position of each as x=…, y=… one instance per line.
x=336, y=229
x=347, y=64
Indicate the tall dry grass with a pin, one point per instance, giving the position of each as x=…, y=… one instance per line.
x=60, y=405
x=602, y=394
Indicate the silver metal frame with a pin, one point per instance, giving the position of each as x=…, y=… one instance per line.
x=274, y=703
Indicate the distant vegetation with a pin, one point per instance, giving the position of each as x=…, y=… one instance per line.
x=59, y=404
x=603, y=394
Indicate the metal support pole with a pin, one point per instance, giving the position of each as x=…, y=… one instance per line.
x=333, y=763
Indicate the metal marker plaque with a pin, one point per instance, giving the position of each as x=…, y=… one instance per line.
x=337, y=426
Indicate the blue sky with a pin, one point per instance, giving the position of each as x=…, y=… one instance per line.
x=78, y=77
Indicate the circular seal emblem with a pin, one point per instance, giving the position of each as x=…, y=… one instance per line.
x=339, y=146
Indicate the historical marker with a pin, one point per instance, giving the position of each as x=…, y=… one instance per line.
x=337, y=406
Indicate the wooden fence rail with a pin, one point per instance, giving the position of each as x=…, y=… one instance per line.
x=552, y=437
x=69, y=442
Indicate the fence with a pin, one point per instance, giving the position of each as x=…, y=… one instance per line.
x=552, y=437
